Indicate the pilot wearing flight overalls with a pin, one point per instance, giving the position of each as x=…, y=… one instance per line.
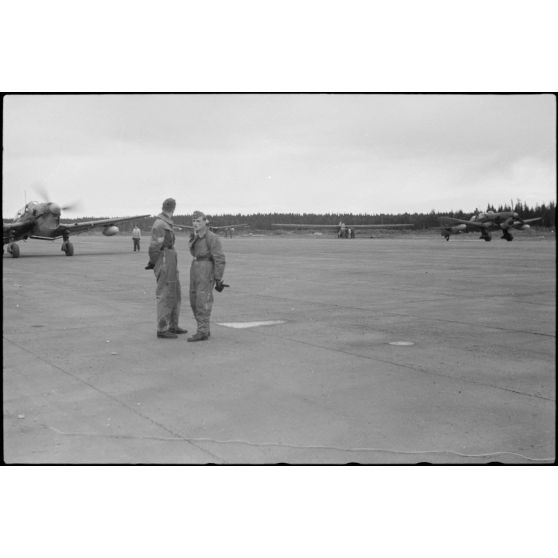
x=163, y=261
x=206, y=272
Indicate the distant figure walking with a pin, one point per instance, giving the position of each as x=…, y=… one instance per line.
x=136, y=235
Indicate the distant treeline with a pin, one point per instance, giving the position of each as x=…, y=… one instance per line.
x=263, y=221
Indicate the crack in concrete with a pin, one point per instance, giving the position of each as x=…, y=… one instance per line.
x=303, y=446
x=195, y=441
x=477, y=325
x=409, y=367
x=399, y=314
x=112, y=397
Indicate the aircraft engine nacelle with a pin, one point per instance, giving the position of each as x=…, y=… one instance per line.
x=110, y=231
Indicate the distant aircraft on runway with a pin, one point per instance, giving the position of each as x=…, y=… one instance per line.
x=485, y=222
x=42, y=221
x=228, y=230
x=341, y=228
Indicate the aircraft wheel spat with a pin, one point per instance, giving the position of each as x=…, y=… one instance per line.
x=13, y=249
x=69, y=249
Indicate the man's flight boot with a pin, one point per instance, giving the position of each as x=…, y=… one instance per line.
x=178, y=330
x=199, y=337
x=166, y=335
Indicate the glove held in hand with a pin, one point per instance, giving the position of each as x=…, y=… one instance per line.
x=219, y=286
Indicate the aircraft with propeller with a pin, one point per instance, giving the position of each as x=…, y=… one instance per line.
x=41, y=220
x=485, y=222
x=227, y=229
x=341, y=228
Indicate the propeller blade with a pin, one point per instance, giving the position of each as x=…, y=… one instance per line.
x=40, y=188
x=74, y=205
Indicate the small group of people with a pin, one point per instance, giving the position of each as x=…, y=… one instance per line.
x=206, y=273
x=346, y=232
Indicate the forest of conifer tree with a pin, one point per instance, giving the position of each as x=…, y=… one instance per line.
x=421, y=221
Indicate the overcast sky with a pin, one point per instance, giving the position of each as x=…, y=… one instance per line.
x=123, y=154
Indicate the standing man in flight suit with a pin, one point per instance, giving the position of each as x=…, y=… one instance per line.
x=206, y=272
x=163, y=260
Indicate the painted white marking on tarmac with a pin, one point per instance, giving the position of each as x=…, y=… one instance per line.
x=402, y=343
x=244, y=325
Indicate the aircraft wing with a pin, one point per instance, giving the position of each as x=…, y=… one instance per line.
x=229, y=226
x=190, y=227
x=296, y=226
x=17, y=230
x=524, y=223
x=448, y=221
x=488, y=224
x=76, y=228
x=305, y=226
x=394, y=226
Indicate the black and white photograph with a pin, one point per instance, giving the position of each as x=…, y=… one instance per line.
x=279, y=278
x=261, y=278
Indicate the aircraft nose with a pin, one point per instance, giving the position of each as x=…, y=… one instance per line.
x=54, y=208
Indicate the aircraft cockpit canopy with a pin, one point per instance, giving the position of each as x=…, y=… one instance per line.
x=27, y=209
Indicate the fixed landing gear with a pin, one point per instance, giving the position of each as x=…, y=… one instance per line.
x=13, y=250
x=67, y=246
x=485, y=235
x=507, y=236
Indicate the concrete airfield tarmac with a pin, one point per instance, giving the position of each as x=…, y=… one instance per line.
x=394, y=350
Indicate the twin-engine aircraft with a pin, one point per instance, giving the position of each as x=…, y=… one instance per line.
x=42, y=221
x=343, y=230
x=485, y=222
